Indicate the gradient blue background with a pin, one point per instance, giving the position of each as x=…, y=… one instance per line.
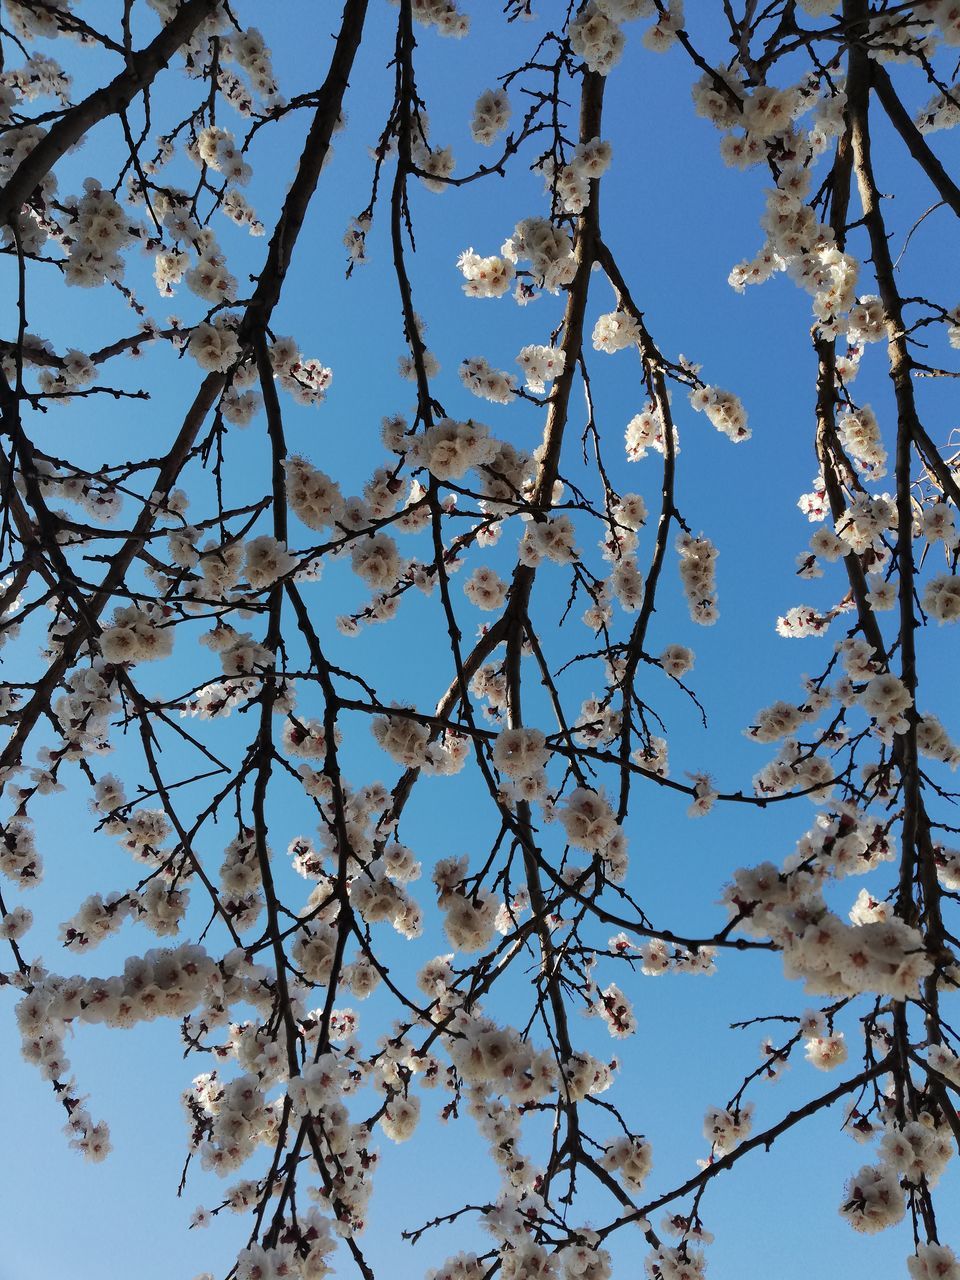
x=678, y=220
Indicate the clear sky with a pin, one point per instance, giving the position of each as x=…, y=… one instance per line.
x=678, y=220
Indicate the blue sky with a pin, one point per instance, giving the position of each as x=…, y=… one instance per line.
x=678, y=220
